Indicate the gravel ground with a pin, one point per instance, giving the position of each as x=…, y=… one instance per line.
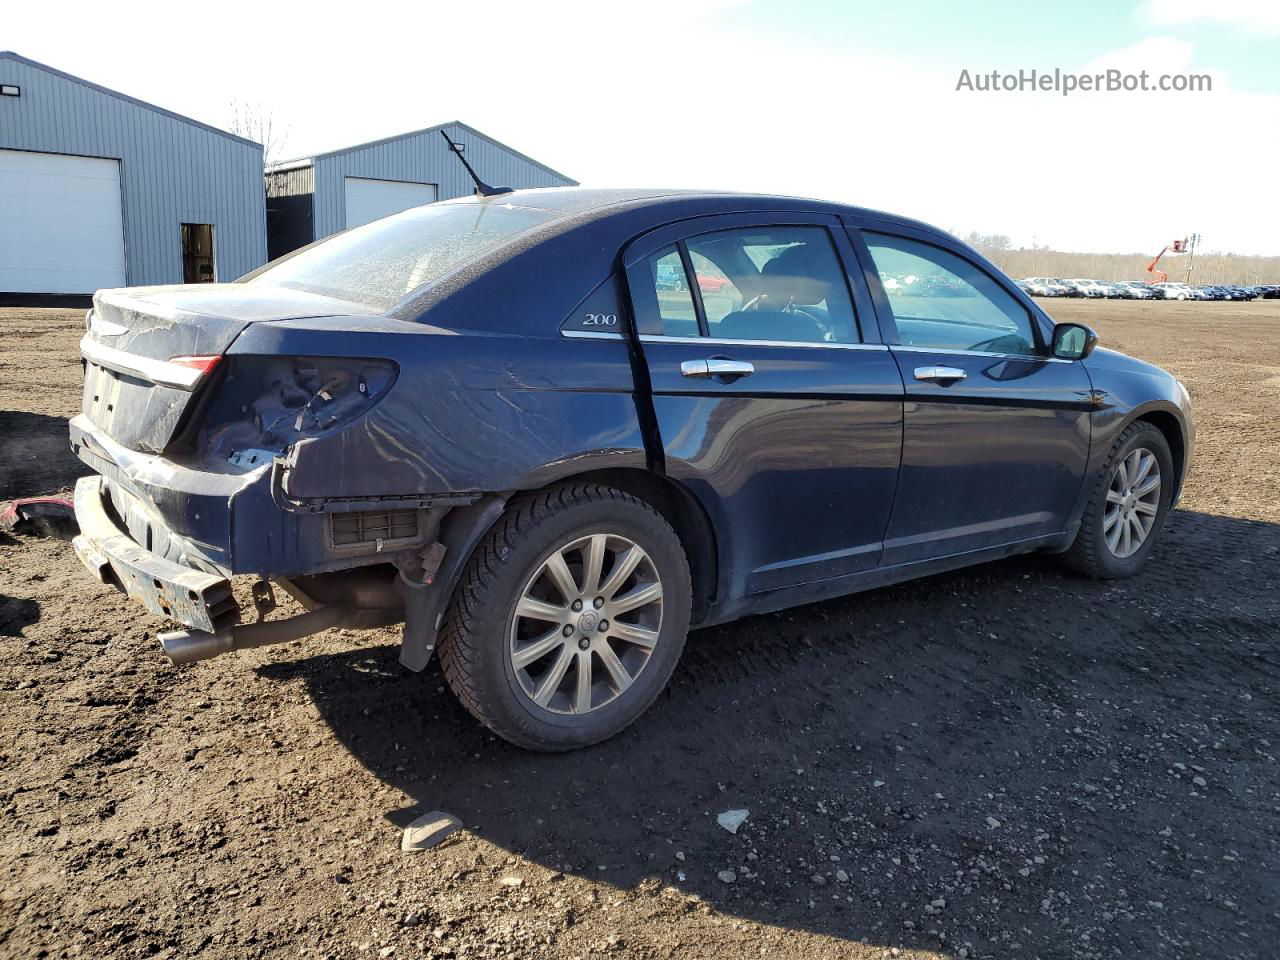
x=1004, y=762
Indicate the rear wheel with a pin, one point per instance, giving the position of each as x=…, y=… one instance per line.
x=570, y=618
x=1127, y=508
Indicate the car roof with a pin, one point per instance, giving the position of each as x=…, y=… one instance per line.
x=593, y=202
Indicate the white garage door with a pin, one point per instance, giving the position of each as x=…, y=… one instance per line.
x=60, y=225
x=369, y=200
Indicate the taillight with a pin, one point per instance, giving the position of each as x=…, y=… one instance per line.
x=204, y=364
x=265, y=404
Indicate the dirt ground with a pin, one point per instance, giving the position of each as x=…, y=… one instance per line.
x=1004, y=762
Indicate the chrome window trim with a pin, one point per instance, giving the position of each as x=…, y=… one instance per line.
x=590, y=335
x=899, y=348
x=716, y=341
x=157, y=371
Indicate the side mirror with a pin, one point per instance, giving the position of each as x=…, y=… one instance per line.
x=1073, y=341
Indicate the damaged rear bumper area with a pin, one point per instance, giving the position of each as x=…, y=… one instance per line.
x=202, y=602
x=171, y=536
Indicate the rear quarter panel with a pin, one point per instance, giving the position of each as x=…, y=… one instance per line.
x=469, y=411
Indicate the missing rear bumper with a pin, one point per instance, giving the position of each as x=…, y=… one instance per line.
x=201, y=601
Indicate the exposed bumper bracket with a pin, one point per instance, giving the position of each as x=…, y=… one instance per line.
x=198, y=600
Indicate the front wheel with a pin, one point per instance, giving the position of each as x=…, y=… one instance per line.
x=1127, y=507
x=570, y=618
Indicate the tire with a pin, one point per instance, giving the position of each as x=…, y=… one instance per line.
x=1092, y=553
x=486, y=639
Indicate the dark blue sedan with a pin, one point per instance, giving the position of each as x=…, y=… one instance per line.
x=551, y=430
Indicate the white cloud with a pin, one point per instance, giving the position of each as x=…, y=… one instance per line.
x=1156, y=54
x=1261, y=15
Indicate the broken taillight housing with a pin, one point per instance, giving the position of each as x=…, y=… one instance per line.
x=265, y=404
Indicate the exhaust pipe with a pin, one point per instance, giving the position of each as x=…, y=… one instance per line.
x=191, y=646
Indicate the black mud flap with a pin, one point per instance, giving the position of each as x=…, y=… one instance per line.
x=425, y=604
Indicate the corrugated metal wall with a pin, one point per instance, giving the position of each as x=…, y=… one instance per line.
x=422, y=158
x=291, y=183
x=172, y=171
x=290, y=204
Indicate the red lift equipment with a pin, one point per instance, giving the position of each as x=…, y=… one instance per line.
x=1174, y=246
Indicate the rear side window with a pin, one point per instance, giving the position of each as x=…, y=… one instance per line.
x=661, y=297
x=383, y=262
x=944, y=302
x=783, y=284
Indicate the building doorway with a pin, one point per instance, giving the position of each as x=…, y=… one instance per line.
x=197, y=253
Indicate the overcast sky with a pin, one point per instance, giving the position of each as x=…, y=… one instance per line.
x=844, y=100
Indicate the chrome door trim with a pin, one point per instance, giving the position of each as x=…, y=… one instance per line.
x=899, y=348
x=717, y=341
x=590, y=335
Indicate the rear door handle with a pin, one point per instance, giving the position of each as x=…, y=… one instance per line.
x=716, y=367
x=936, y=374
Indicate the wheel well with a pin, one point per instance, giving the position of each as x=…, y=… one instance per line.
x=1168, y=424
x=686, y=516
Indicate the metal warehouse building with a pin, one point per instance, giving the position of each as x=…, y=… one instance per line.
x=329, y=192
x=98, y=189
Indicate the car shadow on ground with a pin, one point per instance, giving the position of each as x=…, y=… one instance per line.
x=16, y=612
x=35, y=455
x=917, y=743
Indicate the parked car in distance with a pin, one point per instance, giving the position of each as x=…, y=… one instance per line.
x=1136, y=290
x=515, y=424
x=709, y=283
x=1174, y=291
x=1045, y=287
x=1076, y=288
x=1092, y=288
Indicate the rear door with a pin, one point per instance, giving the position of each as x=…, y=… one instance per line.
x=775, y=400
x=996, y=431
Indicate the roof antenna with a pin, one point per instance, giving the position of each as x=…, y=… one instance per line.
x=482, y=188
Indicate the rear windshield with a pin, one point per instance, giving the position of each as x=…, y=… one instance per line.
x=383, y=262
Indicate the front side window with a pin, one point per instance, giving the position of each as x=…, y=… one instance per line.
x=383, y=262
x=770, y=283
x=944, y=302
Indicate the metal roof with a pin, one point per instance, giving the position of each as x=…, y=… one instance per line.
x=18, y=58
x=308, y=161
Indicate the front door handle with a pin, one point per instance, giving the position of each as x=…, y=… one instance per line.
x=716, y=367
x=938, y=374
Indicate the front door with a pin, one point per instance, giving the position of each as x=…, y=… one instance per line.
x=775, y=401
x=996, y=431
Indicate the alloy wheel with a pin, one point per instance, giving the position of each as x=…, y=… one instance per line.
x=1133, y=503
x=586, y=624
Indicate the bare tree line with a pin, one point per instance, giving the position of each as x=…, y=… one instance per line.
x=256, y=122
x=1043, y=262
